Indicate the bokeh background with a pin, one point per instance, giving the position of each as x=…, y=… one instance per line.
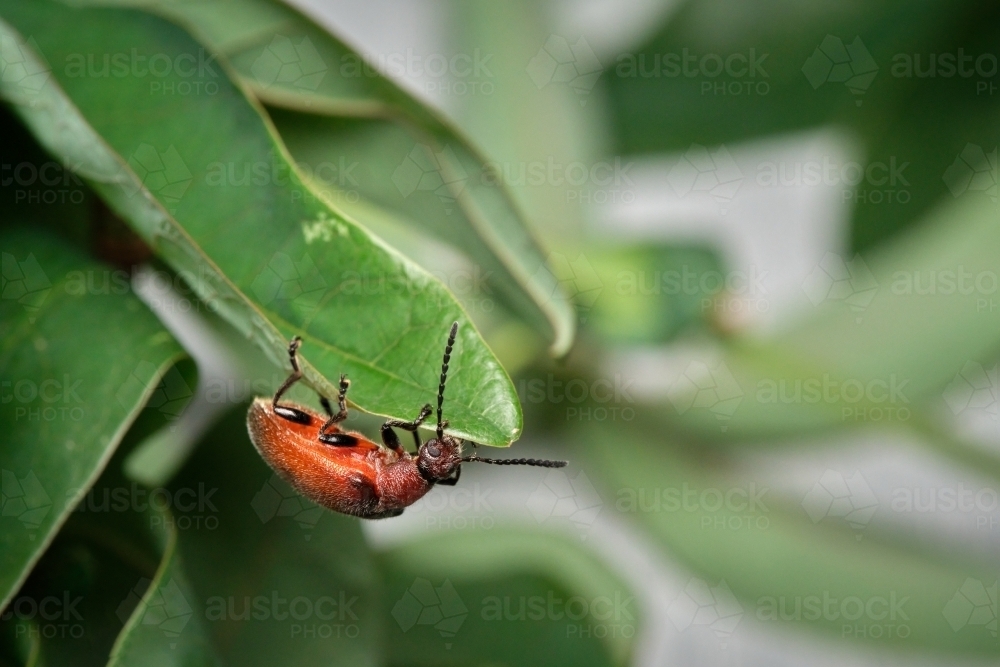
x=778, y=226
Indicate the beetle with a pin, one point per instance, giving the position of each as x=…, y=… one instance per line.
x=346, y=472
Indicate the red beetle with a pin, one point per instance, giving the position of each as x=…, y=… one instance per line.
x=345, y=471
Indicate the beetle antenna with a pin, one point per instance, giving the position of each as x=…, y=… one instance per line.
x=541, y=463
x=444, y=376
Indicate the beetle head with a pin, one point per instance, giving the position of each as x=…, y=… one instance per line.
x=439, y=457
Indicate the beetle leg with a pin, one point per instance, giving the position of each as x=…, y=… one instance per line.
x=287, y=412
x=391, y=440
x=341, y=405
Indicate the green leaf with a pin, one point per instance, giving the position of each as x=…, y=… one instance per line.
x=164, y=626
x=278, y=579
x=504, y=595
x=371, y=151
x=163, y=630
x=768, y=555
x=111, y=583
x=880, y=345
x=421, y=167
x=162, y=162
x=78, y=366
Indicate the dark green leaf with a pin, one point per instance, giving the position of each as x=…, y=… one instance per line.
x=112, y=561
x=78, y=366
